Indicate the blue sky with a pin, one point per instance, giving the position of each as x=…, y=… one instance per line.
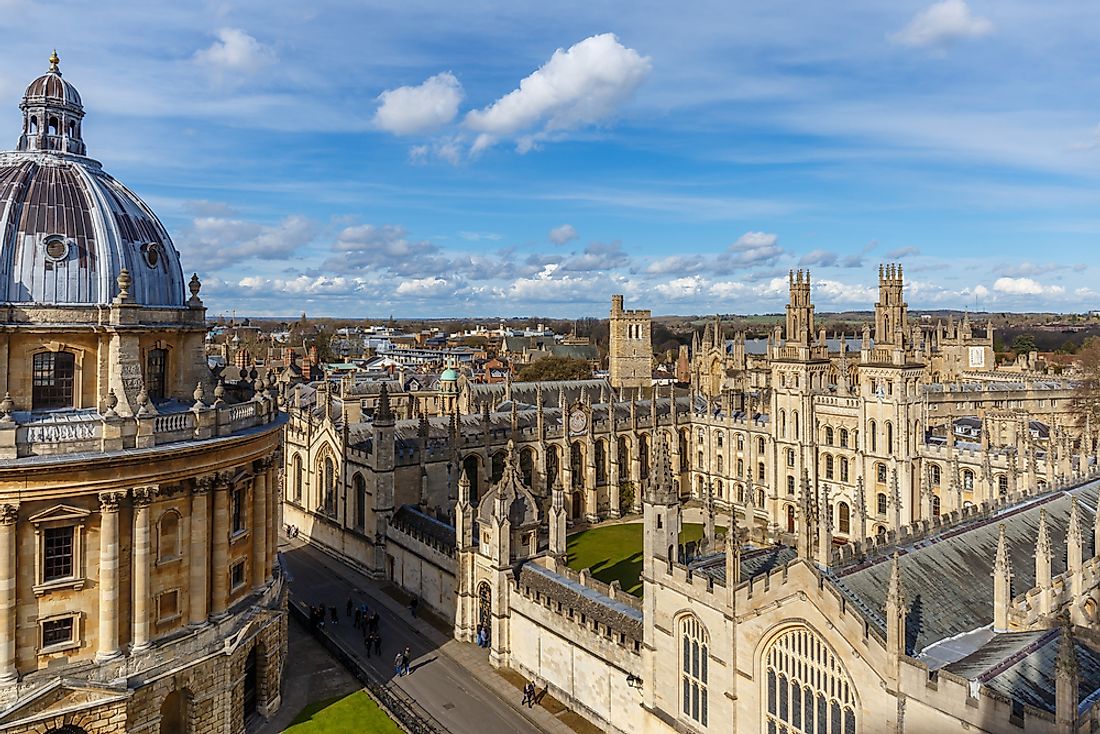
x=440, y=159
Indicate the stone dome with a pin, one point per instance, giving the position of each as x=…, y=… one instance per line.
x=449, y=375
x=69, y=229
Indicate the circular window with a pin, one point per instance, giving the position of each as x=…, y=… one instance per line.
x=152, y=255
x=56, y=248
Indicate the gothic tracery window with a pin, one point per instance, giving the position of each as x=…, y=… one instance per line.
x=808, y=690
x=695, y=644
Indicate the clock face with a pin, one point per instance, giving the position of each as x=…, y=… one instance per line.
x=578, y=421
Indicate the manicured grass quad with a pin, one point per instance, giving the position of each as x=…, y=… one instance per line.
x=353, y=712
x=614, y=552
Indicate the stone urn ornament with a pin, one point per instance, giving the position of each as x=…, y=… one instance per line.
x=7, y=406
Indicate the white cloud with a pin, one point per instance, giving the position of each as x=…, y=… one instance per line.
x=578, y=86
x=1025, y=287
x=423, y=287
x=564, y=233
x=302, y=285
x=752, y=249
x=213, y=242
x=820, y=258
x=900, y=252
x=943, y=23
x=681, y=288
x=235, y=51
x=420, y=109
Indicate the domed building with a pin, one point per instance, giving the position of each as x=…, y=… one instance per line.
x=138, y=507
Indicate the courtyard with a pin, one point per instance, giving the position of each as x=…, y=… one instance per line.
x=614, y=552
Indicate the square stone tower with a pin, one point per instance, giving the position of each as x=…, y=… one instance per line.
x=630, y=353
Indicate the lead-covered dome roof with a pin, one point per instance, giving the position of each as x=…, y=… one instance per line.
x=69, y=229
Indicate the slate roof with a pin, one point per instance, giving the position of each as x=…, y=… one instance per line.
x=754, y=561
x=948, y=579
x=619, y=615
x=416, y=522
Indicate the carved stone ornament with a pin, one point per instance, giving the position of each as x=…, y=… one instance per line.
x=109, y=501
x=7, y=405
x=8, y=514
x=144, y=495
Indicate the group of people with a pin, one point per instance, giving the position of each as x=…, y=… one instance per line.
x=366, y=621
x=317, y=614
x=530, y=698
x=482, y=637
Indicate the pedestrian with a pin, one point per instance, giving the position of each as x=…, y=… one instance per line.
x=378, y=644
x=413, y=603
x=405, y=659
x=374, y=619
x=358, y=617
x=367, y=642
x=397, y=662
x=528, y=694
x=349, y=607
x=333, y=615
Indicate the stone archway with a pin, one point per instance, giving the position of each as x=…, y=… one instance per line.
x=174, y=712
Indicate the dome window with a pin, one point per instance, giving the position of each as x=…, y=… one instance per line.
x=57, y=248
x=152, y=254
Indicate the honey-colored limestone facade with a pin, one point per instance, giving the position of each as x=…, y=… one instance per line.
x=139, y=502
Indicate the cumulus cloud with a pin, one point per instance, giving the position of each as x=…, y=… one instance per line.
x=423, y=287
x=900, y=252
x=1025, y=287
x=564, y=233
x=819, y=258
x=217, y=241
x=584, y=84
x=677, y=264
x=750, y=250
x=597, y=256
x=1027, y=268
x=941, y=24
x=421, y=109
x=303, y=285
x=235, y=51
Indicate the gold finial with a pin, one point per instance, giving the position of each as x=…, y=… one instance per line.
x=54, y=61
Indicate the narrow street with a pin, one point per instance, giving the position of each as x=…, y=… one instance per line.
x=450, y=682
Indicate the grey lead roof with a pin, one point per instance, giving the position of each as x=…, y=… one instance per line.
x=948, y=579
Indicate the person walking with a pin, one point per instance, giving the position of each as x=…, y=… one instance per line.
x=528, y=694
x=368, y=641
x=378, y=644
x=397, y=664
x=413, y=604
x=358, y=618
x=405, y=660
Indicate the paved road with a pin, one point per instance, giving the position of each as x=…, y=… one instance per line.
x=443, y=688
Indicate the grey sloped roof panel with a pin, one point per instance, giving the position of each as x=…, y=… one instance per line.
x=948, y=579
x=1032, y=679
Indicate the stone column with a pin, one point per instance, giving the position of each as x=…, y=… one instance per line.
x=8, y=515
x=220, y=566
x=143, y=497
x=108, y=576
x=273, y=523
x=259, y=527
x=200, y=553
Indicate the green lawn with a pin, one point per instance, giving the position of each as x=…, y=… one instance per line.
x=353, y=712
x=614, y=552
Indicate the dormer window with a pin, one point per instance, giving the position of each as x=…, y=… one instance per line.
x=52, y=380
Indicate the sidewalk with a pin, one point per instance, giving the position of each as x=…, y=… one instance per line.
x=427, y=643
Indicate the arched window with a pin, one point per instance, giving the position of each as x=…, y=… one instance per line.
x=790, y=457
x=783, y=423
x=760, y=444
x=828, y=466
x=699, y=465
x=880, y=473
x=34, y=125
x=1002, y=485
x=576, y=465
x=527, y=466
x=720, y=464
x=330, y=485
x=828, y=435
x=760, y=471
x=794, y=420
x=52, y=379
x=156, y=374
x=496, y=467
x=71, y=129
x=873, y=432
x=694, y=644
x=297, y=478
x=880, y=505
x=740, y=467
x=889, y=437
x=360, y=487
x=790, y=484
x=760, y=497
x=173, y=712
x=643, y=456
x=844, y=518
x=843, y=469
x=740, y=442
x=934, y=474
x=718, y=439
x=968, y=479
x=168, y=536
x=935, y=506
x=601, y=462
x=844, y=438
x=53, y=127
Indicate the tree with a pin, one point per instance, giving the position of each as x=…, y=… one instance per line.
x=556, y=368
x=1023, y=344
